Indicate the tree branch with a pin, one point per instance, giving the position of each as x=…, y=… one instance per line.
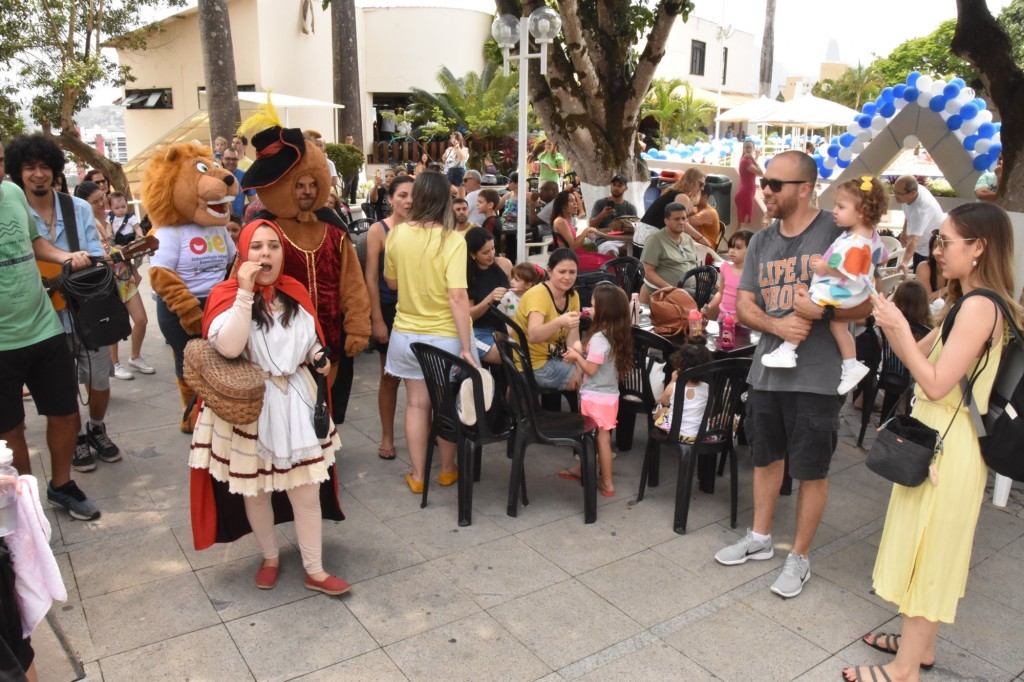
x=652, y=55
x=576, y=46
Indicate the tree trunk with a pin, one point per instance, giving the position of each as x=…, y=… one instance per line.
x=767, y=50
x=219, y=68
x=345, y=53
x=981, y=40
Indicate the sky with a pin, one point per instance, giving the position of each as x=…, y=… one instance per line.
x=803, y=28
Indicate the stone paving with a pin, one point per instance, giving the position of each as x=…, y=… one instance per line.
x=537, y=597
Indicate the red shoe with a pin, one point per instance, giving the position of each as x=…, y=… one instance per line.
x=329, y=585
x=266, y=577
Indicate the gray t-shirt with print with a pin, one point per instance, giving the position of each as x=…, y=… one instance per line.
x=774, y=265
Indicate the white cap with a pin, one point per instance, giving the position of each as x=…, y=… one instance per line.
x=6, y=455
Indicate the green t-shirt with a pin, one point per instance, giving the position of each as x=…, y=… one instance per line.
x=556, y=160
x=26, y=314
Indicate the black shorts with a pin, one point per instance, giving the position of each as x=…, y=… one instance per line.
x=388, y=310
x=804, y=425
x=47, y=369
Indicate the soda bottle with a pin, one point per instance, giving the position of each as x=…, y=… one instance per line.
x=634, y=309
x=728, y=333
x=695, y=322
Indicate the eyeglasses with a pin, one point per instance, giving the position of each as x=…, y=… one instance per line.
x=941, y=242
x=776, y=185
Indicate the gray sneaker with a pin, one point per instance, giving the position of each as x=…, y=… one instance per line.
x=745, y=549
x=77, y=503
x=795, y=573
x=83, y=460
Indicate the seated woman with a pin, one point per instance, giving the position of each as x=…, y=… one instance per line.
x=929, y=273
x=550, y=315
x=564, y=214
x=487, y=279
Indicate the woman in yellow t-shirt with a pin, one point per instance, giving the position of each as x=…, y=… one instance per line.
x=550, y=315
x=426, y=265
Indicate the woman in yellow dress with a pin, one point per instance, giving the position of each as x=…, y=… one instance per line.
x=925, y=550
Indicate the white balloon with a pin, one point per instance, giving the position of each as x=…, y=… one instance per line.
x=829, y=162
x=984, y=116
x=865, y=135
x=823, y=150
x=853, y=128
x=982, y=145
x=877, y=123
x=845, y=154
x=900, y=103
x=937, y=87
x=997, y=138
x=924, y=98
x=968, y=92
x=952, y=106
x=857, y=147
x=924, y=83
x=910, y=141
x=970, y=127
x=963, y=98
x=959, y=134
x=945, y=114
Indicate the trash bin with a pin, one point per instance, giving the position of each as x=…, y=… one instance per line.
x=719, y=189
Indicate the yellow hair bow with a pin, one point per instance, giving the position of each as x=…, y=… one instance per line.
x=866, y=185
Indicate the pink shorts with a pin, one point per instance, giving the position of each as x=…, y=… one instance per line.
x=603, y=408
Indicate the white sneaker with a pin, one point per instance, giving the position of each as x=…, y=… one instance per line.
x=141, y=365
x=121, y=372
x=780, y=358
x=851, y=377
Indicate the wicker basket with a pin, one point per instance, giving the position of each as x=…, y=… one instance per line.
x=232, y=388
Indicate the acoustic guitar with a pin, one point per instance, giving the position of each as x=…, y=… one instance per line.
x=52, y=277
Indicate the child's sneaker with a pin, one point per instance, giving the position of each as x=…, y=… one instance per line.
x=780, y=358
x=852, y=376
x=121, y=372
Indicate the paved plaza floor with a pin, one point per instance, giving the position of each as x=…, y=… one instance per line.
x=537, y=597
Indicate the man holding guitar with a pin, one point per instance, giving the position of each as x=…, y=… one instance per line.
x=33, y=351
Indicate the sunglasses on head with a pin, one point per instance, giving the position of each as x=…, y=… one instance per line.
x=776, y=185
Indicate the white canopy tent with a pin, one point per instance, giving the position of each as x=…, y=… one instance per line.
x=809, y=112
x=753, y=110
x=286, y=102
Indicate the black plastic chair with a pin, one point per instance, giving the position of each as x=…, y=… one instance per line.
x=368, y=211
x=536, y=425
x=635, y=392
x=551, y=399
x=727, y=380
x=706, y=280
x=893, y=378
x=359, y=226
x=443, y=373
x=628, y=271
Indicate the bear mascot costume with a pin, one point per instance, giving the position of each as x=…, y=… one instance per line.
x=188, y=199
x=292, y=181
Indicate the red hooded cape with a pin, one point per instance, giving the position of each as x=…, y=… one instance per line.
x=217, y=514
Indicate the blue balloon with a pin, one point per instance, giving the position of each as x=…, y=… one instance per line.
x=968, y=111
x=982, y=162
x=825, y=172
x=817, y=158
x=864, y=121
x=969, y=142
x=888, y=110
x=980, y=103
x=986, y=130
x=911, y=93
x=938, y=103
x=869, y=108
x=960, y=82
x=846, y=139
x=995, y=149
x=912, y=77
x=951, y=90
x=833, y=150
x=888, y=94
x=954, y=122
x=897, y=92
x=841, y=163
x=834, y=140
x=998, y=125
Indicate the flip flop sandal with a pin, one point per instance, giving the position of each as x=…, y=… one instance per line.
x=871, y=671
x=385, y=453
x=569, y=475
x=604, y=491
x=890, y=645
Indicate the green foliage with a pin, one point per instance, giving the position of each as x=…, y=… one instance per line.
x=679, y=115
x=347, y=158
x=940, y=187
x=1012, y=19
x=11, y=122
x=484, y=105
x=930, y=55
x=856, y=86
x=53, y=47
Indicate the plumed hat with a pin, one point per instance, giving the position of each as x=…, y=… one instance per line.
x=278, y=149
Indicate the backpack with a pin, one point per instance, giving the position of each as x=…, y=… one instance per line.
x=586, y=282
x=1001, y=429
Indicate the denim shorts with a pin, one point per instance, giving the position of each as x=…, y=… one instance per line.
x=402, y=362
x=555, y=374
x=485, y=339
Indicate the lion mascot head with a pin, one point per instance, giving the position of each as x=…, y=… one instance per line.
x=283, y=158
x=183, y=184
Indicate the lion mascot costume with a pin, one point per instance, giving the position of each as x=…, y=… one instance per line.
x=292, y=181
x=188, y=198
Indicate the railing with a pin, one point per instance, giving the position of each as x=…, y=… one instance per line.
x=404, y=150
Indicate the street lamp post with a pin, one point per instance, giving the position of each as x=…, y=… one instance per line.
x=724, y=33
x=543, y=24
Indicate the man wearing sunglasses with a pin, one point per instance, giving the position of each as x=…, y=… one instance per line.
x=923, y=215
x=793, y=413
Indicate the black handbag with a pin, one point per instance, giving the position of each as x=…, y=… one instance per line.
x=904, y=450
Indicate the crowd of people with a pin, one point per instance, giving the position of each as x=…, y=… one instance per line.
x=288, y=292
